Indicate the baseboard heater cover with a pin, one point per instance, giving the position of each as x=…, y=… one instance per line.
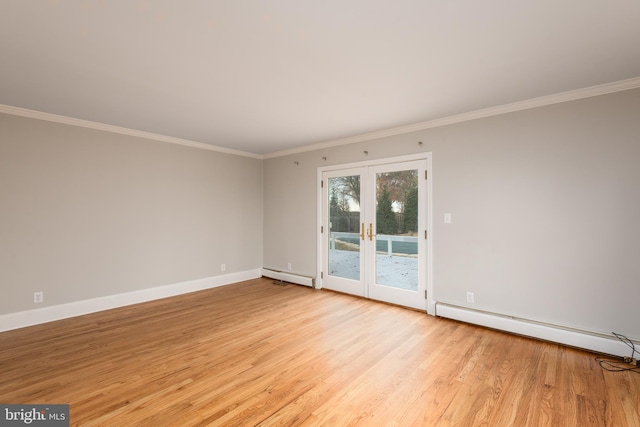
x=574, y=338
x=284, y=276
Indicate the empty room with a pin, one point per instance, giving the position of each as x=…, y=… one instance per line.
x=297, y=213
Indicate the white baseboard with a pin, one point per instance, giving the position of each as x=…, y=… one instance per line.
x=78, y=308
x=288, y=277
x=581, y=339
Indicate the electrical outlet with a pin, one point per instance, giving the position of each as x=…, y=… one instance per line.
x=223, y=267
x=471, y=298
x=38, y=297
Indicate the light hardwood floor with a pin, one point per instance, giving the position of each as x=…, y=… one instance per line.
x=256, y=353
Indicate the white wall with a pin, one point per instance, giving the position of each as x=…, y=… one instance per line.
x=545, y=205
x=86, y=214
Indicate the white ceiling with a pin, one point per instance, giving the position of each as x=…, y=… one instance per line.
x=265, y=76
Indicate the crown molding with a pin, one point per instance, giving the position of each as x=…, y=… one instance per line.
x=542, y=101
x=39, y=115
x=572, y=95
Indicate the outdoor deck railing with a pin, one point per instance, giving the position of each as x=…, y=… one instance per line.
x=389, y=239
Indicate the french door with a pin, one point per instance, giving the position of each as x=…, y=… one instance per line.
x=374, y=232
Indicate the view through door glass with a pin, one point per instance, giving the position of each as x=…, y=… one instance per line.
x=397, y=229
x=344, y=227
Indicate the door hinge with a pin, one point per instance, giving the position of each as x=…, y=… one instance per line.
x=322, y=275
x=425, y=174
x=425, y=234
x=321, y=229
x=425, y=294
x=322, y=184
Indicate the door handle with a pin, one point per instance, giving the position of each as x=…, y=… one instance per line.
x=362, y=233
x=370, y=233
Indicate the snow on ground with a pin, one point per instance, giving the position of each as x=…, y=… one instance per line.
x=396, y=271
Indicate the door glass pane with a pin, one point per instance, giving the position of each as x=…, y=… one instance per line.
x=397, y=229
x=344, y=227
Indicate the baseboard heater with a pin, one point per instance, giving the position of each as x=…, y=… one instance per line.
x=284, y=276
x=588, y=340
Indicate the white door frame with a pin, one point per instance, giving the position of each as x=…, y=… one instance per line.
x=429, y=213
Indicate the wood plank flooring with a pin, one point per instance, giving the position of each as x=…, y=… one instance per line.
x=256, y=353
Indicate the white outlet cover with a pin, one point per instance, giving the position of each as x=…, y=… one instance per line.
x=470, y=297
x=447, y=218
